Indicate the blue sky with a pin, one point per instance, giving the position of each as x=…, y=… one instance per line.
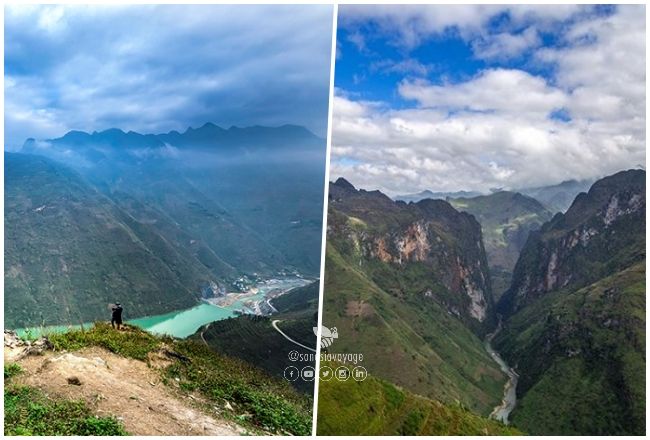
x=160, y=68
x=474, y=97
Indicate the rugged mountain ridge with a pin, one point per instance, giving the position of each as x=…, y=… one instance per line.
x=574, y=318
x=602, y=232
x=209, y=136
x=558, y=198
x=429, y=234
x=506, y=219
x=408, y=286
x=254, y=193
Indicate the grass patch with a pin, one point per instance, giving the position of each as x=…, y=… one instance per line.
x=132, y=343
x=11, y=370
x=377, y=407
x=29, y=412
x=261, y=400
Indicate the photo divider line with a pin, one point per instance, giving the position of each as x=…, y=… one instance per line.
x=324, y=227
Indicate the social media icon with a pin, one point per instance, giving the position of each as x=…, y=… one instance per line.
x=342, y=373
x=308, y=374
x=291, y=373
x=359, y=373
x=326, y=373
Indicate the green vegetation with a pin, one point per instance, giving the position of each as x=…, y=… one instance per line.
x=148, y=235
x=506, y=219
x=132, y=342
x=29, y=412
x=270, y=403
x=581, y=358
x=376, y=407
x=300, y=299
x=409, y=313
x=602, y=233
x=12, y=369
x=575, y=316
x=62, y=235
x=254, y=340
x=412, y=341
x=425, y=248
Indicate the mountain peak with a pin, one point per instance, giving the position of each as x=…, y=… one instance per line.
x=342, y=183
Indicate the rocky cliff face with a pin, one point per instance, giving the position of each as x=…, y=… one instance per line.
x=506, y=219
x=428, y=248
x=574, y=325
x=602, y=232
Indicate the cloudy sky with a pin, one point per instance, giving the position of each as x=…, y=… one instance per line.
x=160, y=68
x=477, y=97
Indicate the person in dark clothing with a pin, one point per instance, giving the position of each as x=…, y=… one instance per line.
x=116, y=319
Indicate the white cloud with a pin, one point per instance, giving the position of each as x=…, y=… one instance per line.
x=497, y=128
x=500, y=90
x=505, y=45
x=409, y=25
x=153, y=68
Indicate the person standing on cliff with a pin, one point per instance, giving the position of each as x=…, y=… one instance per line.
x=116, y=318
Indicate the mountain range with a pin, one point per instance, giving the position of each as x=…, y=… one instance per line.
x=216, y=206
x=427, y=194
x=574, y=316
x=555, y=198
x=402, y=282
x=558, y=198
x=408, y=285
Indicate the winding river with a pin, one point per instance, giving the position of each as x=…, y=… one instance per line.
x=502, y=412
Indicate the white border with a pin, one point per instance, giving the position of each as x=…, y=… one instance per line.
x=321, y=287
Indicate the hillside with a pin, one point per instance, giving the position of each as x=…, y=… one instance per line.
x=506, y=219
x=575, y=316
x=70, y=251
x=101, y=381
x=580, y=355
x=603, y=232
x=121, y=216
x=558, y=198
x=398, y=280
x=424, y=249
x=255, y=340
x=376, y=407
x=250, y=198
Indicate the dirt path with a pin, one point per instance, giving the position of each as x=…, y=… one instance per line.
x=275, y=326
x=125, y=388
x=205, y=329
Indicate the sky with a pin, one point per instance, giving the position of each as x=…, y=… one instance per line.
x=450, y=98
x=153, y=69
